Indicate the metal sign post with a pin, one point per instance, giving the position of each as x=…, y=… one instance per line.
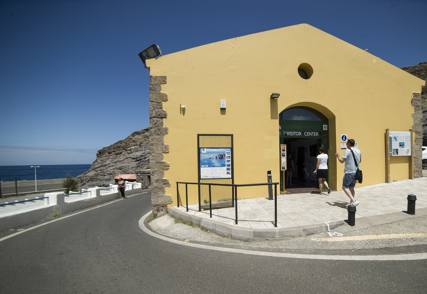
x=387, y=156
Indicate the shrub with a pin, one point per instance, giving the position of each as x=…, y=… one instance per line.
x=70, y=184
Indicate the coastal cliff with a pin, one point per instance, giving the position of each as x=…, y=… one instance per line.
x=130, y=155
x=419, y=70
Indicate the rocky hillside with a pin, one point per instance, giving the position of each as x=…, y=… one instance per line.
x=419, y=70
x=129, y=155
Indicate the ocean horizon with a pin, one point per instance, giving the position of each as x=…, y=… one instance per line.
x=44, y=172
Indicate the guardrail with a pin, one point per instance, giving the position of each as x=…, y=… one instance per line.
x=23, y=201
x=234, y=196
x=18, y=187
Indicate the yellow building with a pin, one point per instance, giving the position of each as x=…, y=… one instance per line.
x=296, y=86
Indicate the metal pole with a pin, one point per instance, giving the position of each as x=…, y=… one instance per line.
x=232, y=196
x=210, y=202
x=1, y=192
x=35, y=176
x=411, y=203
x=275, y=205
x=270, y=188
x=198, y=195
x=16, y=186
x=351, y=215
x=177, y=194
x=235, y=204
x=186, y=196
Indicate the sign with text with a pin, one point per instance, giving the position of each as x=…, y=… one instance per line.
x=283, y=161
x=215, y=163
x=303, y=129
x=343, y=141
x=399, y=143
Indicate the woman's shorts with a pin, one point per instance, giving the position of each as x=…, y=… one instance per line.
x=322, y=173
x=348, y=181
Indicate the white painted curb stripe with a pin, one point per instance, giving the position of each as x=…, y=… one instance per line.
x=389, y=257
x=372, y=237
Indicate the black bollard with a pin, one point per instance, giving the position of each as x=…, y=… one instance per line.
x=270, y=187
x=351, y=215
x=411, y=203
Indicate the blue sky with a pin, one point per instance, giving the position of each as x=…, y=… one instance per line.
x=71, y=81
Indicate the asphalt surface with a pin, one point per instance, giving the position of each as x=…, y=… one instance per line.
x=104, y=251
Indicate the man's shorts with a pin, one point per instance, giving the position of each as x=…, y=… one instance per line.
x=349, y=181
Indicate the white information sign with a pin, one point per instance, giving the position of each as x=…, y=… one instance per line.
x=343, y=141
x=215, y=163
x=344, y=138
x=399, y=143
x=283, y=162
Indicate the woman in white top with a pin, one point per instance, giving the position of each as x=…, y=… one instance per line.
x=322, y=170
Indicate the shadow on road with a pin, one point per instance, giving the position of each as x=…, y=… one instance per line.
x=340, y=204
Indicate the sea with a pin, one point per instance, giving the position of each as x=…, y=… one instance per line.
x=44, y=172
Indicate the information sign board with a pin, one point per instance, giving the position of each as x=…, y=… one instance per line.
x=283, y=161
x=215, y=163
x=399, y=143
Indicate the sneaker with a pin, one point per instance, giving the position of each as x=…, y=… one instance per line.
x=329, y=191
x=355, y=203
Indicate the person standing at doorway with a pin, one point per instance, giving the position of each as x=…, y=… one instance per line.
x=322, y=170
x=121, y=186
x=351, y=156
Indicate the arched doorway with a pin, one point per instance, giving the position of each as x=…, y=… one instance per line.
x=303, y=131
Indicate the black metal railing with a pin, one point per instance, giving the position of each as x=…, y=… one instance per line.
x=18, y=187
x=234, y=196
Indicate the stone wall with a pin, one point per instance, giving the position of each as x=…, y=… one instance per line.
x=130, y=155
x=417, y=129
x=157, y=147
x=420, y=71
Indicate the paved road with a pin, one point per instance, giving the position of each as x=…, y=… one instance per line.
x=104, y=251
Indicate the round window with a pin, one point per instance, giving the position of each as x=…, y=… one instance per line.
x=305, y=71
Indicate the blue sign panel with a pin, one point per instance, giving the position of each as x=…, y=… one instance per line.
x=215, y=163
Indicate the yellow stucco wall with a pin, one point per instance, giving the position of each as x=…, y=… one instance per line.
x=363, y=94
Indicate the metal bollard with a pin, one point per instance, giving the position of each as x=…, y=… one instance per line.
x=351, y=215
x=411, y=203
x=270, y=187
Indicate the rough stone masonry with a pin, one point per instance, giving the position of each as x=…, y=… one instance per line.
x=157, y=147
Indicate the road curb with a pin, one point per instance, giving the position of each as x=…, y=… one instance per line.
x=249, y=234
x=144, y=225
x=252, y=234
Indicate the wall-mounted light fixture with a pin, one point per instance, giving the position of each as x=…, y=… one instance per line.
x=182, y=108
x=274, y=95
x=152, y=51
x=222, y=104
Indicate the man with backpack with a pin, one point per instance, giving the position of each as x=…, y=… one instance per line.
x=352, y=173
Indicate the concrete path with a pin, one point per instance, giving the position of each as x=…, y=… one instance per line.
x=297, y=210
